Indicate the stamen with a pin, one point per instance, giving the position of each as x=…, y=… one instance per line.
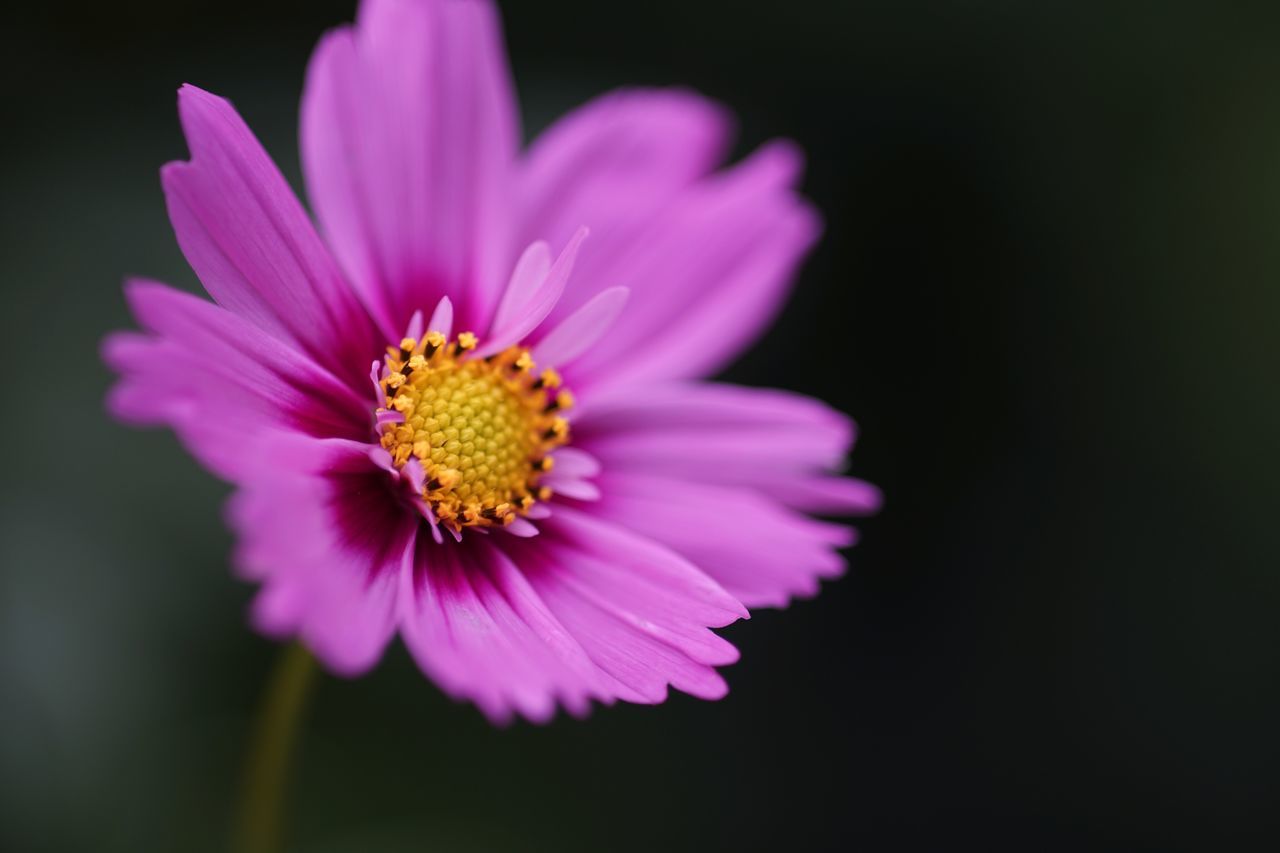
x=548, y=379
x=434, y=341
x=482, y=432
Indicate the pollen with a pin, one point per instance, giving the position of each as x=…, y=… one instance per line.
x=482, y=428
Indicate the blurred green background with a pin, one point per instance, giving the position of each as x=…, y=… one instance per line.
x=1048, y=292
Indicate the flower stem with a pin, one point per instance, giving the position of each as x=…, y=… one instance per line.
x=267, y=766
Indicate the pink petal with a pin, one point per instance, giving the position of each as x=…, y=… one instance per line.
x=706, y=276
x=577, y=332
x=829, y=495
x=474, y=624
x=714, y=432
x=416, y=326
x=572, y=487
x=759, y=551
x=521, y=528
x=707, y=257
x=219, y=380
x=529, y=306
x=330, y=541
x=637, y=609
x=530, y=271
x=250, y=242
x=587, y=612
x=574, y=462
x=409, y=131
x=441, y=318
x=615, y=164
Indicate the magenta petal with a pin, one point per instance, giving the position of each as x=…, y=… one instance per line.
x=780, y=443
x=476, y=626
x=250, y=242
x=640, y=612
x=707, y=257
x=219, y=380
x=586, y=611
x=409, y=131
x=615, y=164
x=706, y=276
x=829, y=495
x=759, y=551
x=322, y=530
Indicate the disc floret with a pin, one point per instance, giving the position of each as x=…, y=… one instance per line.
x=482, y=428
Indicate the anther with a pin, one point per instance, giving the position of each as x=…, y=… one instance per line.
x=548, y=379
x=523, y=363
x=563, y=400
x=445, y=479
x=466, y=342
x=433, y=342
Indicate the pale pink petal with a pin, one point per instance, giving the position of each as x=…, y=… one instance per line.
x=575, y=462
x=409, y=132
x=530, y=271
x=572, y=487
x=416, y=326
x=521, y=528
x=441, y=319
x=248, y=239
x=530, y=306
x=577, y=332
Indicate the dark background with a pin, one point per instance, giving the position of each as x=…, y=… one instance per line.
x=1048, y=292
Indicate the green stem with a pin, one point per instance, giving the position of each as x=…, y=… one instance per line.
x=266, y=773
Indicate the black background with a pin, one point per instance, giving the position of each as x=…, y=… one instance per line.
x=1048, y=293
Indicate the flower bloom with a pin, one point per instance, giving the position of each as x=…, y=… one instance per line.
x=458, y=417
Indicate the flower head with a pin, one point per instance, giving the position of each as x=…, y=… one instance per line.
x=439, y=427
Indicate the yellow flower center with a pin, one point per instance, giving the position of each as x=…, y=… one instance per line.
x=481, y=427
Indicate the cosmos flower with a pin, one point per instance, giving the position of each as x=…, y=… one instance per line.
x=462, y=417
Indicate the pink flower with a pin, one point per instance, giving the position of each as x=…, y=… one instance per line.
x=397, y=473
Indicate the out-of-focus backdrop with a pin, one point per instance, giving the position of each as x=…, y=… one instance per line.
x=1049, y=293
